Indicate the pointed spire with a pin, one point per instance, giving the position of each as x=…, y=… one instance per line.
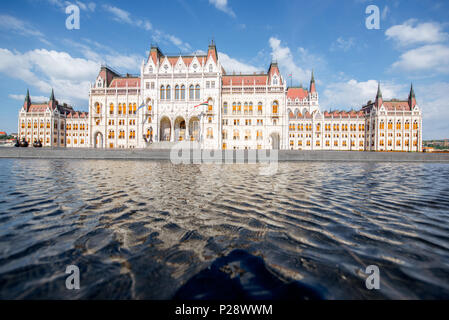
x=312, y=83
x=379, y=99
x=27, y=98
x=379, y=93
x=412, y=92
x=412, y=98
x=52, y=96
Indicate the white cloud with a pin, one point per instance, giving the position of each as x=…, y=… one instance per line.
x=165, y=38
x=233, y=65
x=44, y=69
x=124, y=16
x=222, y=5
x=342, y=44
x=432, y=99
x=410, y=33
x=285, y=59
x=130, y=63
x=426, y=58
x=13, y=24
x=354, y=94
x=82, y=5
x=21, y=97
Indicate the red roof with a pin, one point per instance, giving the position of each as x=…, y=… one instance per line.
x=396, y=105
x=2, y=133
x=124, y=82
x=247, y=80
x=38, y=108
x=297, y=93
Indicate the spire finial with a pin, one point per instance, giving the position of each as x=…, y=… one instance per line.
x=313, y=78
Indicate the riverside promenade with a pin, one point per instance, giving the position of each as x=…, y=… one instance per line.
x=237, y=156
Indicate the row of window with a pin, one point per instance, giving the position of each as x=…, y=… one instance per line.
x=247, y=135
x=248, y=108
x=180, y=92
x=398, y=125
x=327, y=143
x=398, y=143
x=121, y=122
x=75, y=126
x=121, y=135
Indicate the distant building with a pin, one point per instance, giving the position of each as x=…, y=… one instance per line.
x=3, y=134
x=53, y=124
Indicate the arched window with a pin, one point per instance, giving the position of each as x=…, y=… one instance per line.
x=149, y=108
x=390, y=125
x=234, y=107
x=120, y=110
x=398, y=125
x=245, y=108
x=168, y=93
x=382, y=125
x=407, y=125
x=209, y=106
x=183, y=92
x=191, y=92
x=124, y=108
x=130, y=108
x=275, y=107
x=259, y=108
x=197, y=92
x=415, y=125
x=225, y=108
x=162, y=92
x=210, y=133
x=250, y=108
x=177, y=92
x=134, y=108
x=111, y=108
x=211, y=68
x=97, y=107
x=239, y=107
x=236, y=135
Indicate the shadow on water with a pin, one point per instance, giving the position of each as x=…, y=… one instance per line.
x=241, y=275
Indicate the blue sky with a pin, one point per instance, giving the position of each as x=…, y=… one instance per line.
x=38, y=52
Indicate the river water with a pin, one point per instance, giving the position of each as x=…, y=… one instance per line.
x=143, y=230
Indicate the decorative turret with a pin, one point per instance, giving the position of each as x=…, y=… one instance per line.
x=412, y=98
x=312, y=84
x=379, y=99
x=212, y=51
x=155, y=54
x=27, y=102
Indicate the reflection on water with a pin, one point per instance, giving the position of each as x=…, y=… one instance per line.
x=144, y=229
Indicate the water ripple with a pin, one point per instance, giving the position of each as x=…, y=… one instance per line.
x=143, y=230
